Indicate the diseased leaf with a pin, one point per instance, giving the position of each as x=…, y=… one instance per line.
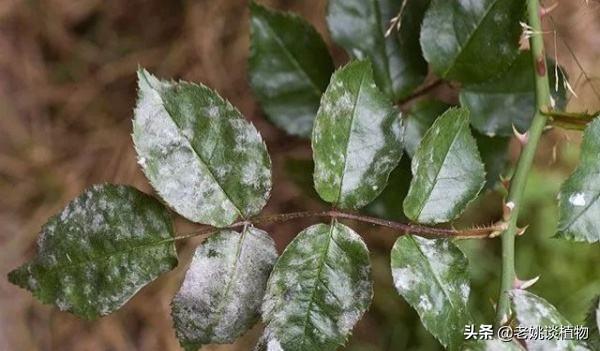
x=531, y=312
x=498, y=104
x=208, y=163
x=223, y=288
x=418, y=120
x=492, y=345
x=99, y=251
x=447, y=170
x=579, y=208
x=289, y=68
x=432, y=276
x=320, y=287
x=357, y=138
x=471, y=41
x=360, y=27
x=592, y=321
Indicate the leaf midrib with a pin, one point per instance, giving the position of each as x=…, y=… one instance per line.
x=462, y=47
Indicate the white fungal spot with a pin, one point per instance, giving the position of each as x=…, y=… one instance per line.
x=577, y=199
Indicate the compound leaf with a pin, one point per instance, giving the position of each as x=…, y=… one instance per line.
x=208, y=163
x=432, y=276
x=533, y=311
x=356, y=140
x=360, y=27
x=289, y=68
x=471, y=41
x=222, y=292
x=99, y=251
x=320, y=287
x=579, y=208
x=447, y=170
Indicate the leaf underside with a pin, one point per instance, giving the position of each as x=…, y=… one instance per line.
x=360, y=27
x=222, y=292
x=357, y=138
x=432, y=276
x=471, y=41
x=208, y=163
x=447, y=170
x=579, y=208
x=320, y=287
x=289, y=68
x=99, y=251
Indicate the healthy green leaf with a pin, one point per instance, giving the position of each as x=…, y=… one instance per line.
x=494, y=154
x=447, y=170
x=198, y=152
x=579, y=208
x=471, y=41
x=532, y=311
x=357, y=138
x=592, y=321
x=418, y=120
x=492, y=345
x=223, y=288
x=498, y=104
x=289, y=68
x=360, y=26
x=99, y=251
x=432, y=276
x=320, y=287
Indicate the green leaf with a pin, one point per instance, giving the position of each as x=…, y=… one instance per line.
x=360, y=26
x=389, y=203
x=432, y=276
x=492, y=345
x=592, y=321
x=418, y=120
x=509, y=99
x=531, y=312
x=471, y=41
x=320, y=287
x=447, y=170
x=223, y=288
x=579, y=208
x=99, y=251
x=494, y=154
x=357, y=138
x=208, y=163
x=289, y=68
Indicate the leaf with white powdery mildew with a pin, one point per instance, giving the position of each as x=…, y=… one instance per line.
x=223, y=288
x=208, y=163
x=99, y=251
x=289, y=68
x=471, y=41
x=319, y=288
x=357, y=138
x=447, y=170
x=360, y=27
x=432, y=276
x=579, y=208
x=532, y=312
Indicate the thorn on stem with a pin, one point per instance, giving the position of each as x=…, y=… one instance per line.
x=544, y=11
x=521, y=231
x=507, y=209
x=524, y=284
x=522, y=137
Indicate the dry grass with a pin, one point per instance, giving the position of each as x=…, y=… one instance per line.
x=67, y=89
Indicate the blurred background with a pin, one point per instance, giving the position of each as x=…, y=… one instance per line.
x=67, y=91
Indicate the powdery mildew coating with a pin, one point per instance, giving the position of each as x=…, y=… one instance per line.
x=319, y=288
x=533, y=311
x=223, y=288
x=447, y=170
x=99, y=251
x=578, y=203
x=208, y=163
x=432, y=276
x=356, y=140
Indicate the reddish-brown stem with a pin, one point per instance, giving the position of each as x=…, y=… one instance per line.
x=421, y=91
x=403, y=228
